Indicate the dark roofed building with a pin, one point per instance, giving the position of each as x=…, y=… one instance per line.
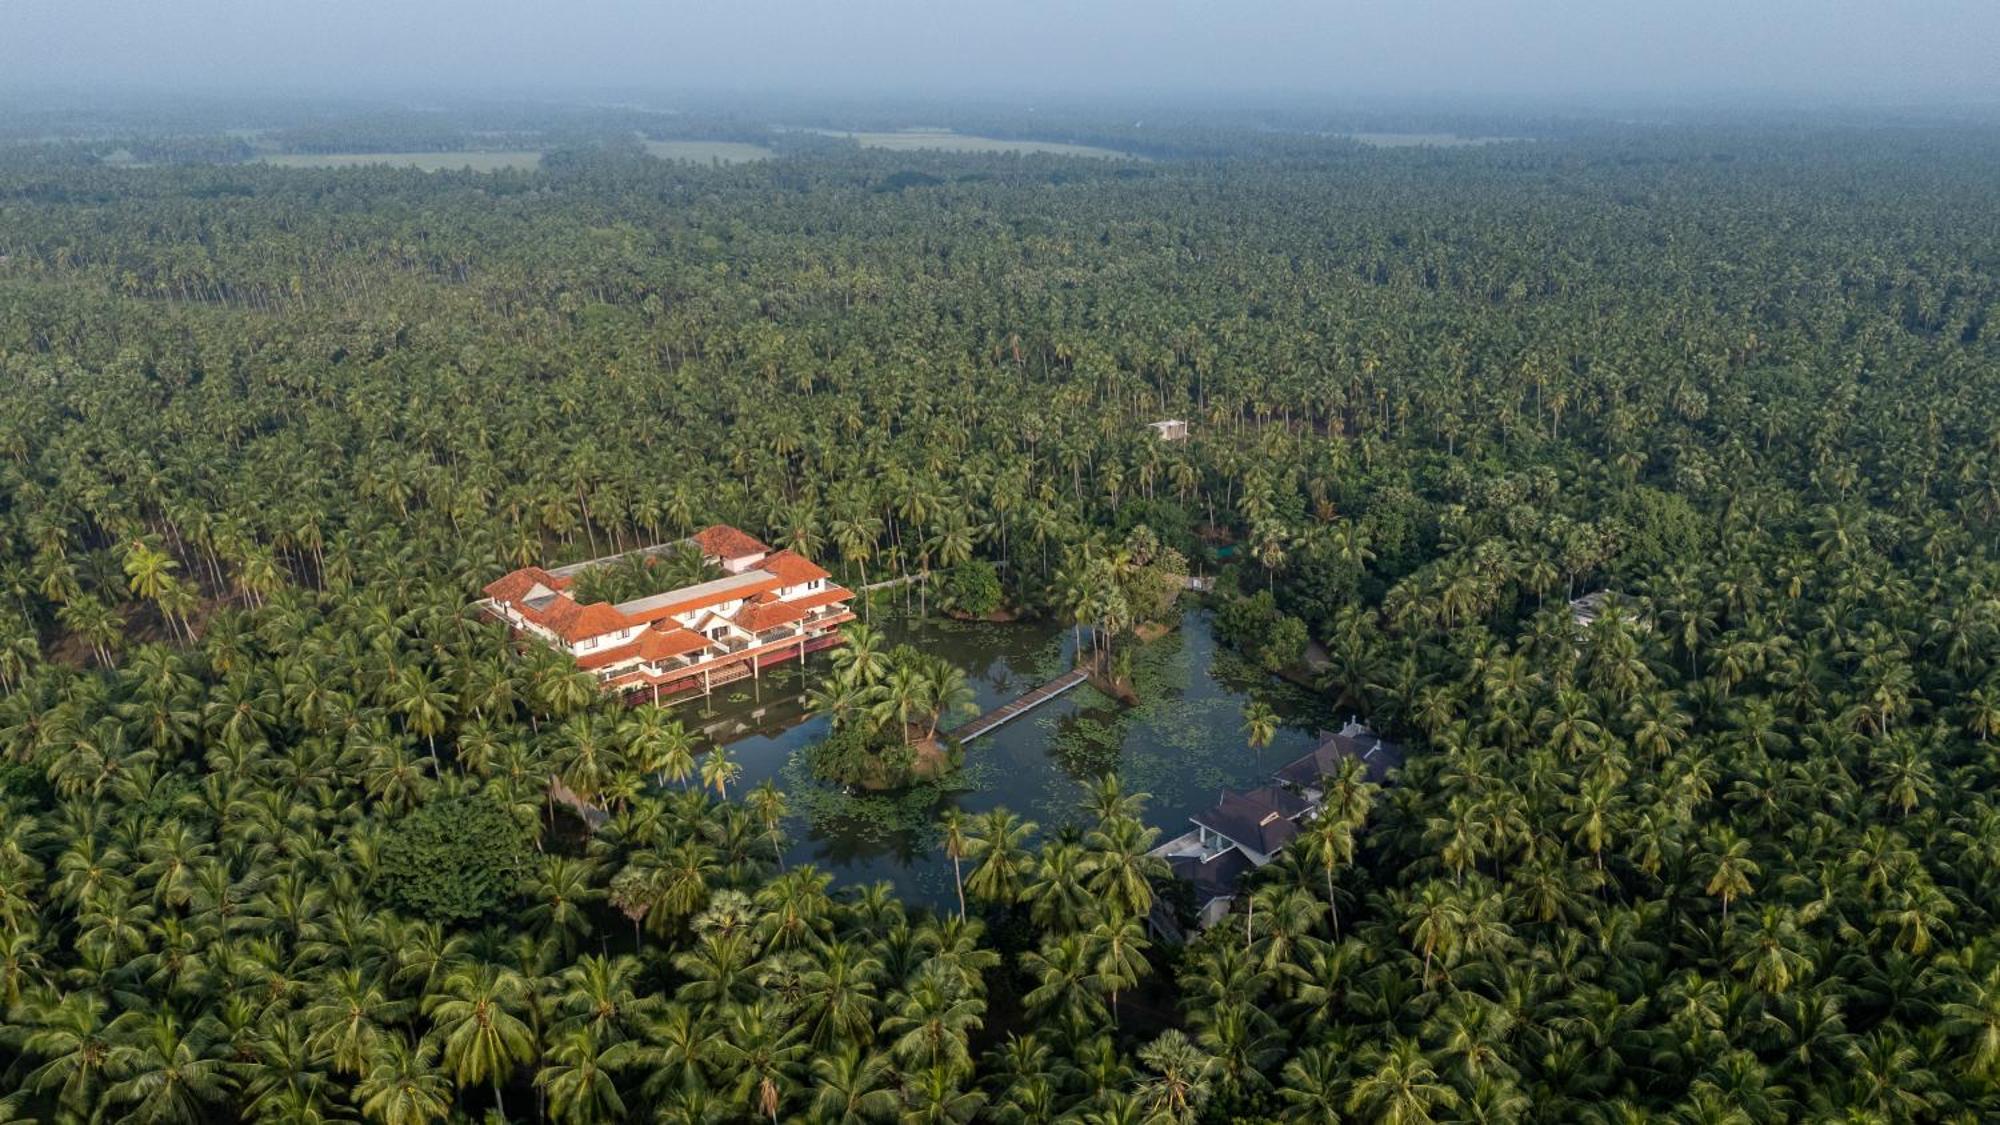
x=1213, y=879
x=1260, y=822
x=1244, y=831
x=1354, y=741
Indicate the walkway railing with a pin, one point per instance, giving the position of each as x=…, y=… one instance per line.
x=1007, y=712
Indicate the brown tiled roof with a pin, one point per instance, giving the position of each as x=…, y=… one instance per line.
x=792, y=568
x=653, y=645
x=574, y=622
x=658, y=643
x=514, y=586
x=720, y=541
x=767, y=612
x=606, y=657
x=818, y=598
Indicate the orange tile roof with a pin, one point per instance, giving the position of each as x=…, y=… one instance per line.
x=658, y=644
x=653, y=645
x=606, y=657
x=792, y=568
x=828, y=596
x=720, y=541
x=767, y=612
x=572, y=622
x=514, y=585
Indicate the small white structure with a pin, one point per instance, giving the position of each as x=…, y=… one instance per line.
x=1169, y=429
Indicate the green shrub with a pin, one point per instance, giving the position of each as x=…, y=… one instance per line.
x=453, y=860
x=971, y=587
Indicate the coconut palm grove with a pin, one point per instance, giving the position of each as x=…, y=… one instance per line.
x=1640, y=480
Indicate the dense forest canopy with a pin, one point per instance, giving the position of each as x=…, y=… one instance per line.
x=276, y=836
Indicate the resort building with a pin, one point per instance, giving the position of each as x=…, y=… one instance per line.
x=769, y=606
x=1169, y=429
x=1244, y=831
x=1353, y=742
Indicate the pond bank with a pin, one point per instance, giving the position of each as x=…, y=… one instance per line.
x=1182, y=743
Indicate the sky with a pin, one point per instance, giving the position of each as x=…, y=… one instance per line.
x=1839, y=50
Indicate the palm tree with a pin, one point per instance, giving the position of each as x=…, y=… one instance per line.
x=932, y=1019
x=936, y=1098
x=1057, y=897
x=579, y=1087
x=1400, y=1086
x=401, y=1086
x=1433, y=918
x=861, y=660
x=763, y=1052
x=718, y=770
x=348, y=1015
x=946, y=693
x=422, y=703
x=1181, y=1081
x=852, y=1087
x=1118, y=868
x=900, y=697
x=1730, y=867
x=1260, y=724
x=1065, y=972
x=472, y=1017
x=957, y=839
x=67, y=1031
x=1329, y=841
x=562, y=890
x=1119, y=942
x=1002, y=862
x=1313, y=1087
x=768, y=804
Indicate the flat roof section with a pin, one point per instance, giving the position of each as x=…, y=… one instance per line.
x=695, y=594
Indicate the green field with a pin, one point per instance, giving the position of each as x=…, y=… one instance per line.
x=706, y=152
x=473, y=160
x=944, y=140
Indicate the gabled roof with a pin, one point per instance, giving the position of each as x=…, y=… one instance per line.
x=575, y=623
x=537, y=595
x=1261, y=820
x=720, y=541
x=818, y=598
x=661, y=643
x=1214, y=877
x=653, y=645
x=791, y=568
x=1377, y=754
x=514, y=586
x=767, y=612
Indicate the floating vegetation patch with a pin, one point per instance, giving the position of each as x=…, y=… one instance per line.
x=1087, y=746
x=872, y=817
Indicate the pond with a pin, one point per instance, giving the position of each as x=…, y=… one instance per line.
x=1183, y=743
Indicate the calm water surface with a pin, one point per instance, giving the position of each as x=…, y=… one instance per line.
x=1183, y=743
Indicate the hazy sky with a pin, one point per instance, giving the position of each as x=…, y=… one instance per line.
x=1845, y=49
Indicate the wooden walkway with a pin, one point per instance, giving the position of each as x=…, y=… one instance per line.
x=1014, y=709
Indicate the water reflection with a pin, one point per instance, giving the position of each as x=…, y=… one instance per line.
x=1183, y=744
